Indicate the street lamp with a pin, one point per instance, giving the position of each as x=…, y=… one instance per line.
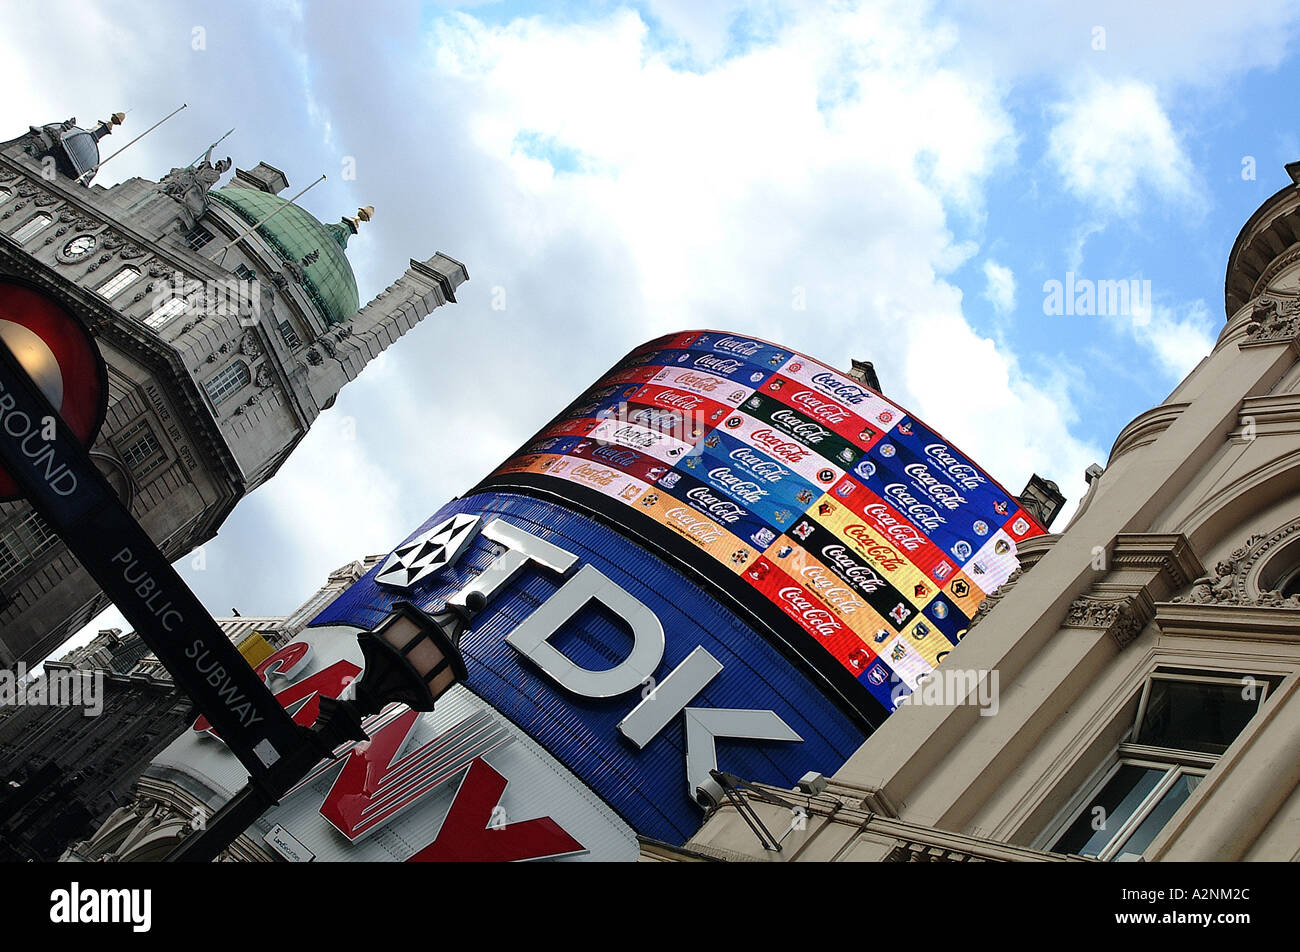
x=411, y=658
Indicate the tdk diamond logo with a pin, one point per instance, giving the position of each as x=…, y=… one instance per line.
x=426, y=554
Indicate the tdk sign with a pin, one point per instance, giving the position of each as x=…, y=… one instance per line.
x=624, y=670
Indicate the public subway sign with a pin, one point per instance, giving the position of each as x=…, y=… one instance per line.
x=620, y=667
x=49, y=464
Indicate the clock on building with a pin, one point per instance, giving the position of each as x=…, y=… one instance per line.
x=79, y=247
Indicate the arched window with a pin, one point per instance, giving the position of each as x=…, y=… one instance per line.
x=31, y=227
x=166, y=312
x=230, y=380
x=118, y=282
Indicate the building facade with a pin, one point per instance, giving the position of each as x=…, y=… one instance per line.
x=1147, y=658
x=229, y=319
x=723, y=556
x=65, y=767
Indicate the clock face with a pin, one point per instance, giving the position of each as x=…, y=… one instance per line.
x=80, y=246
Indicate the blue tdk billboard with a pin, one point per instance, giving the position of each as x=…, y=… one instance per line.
x=724, y=555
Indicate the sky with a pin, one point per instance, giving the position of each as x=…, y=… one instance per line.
x=895, y=182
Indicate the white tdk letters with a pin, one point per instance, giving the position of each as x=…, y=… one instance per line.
x=670, y=697
x=531, y=638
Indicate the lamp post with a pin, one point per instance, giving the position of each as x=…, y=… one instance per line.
x=411, y=658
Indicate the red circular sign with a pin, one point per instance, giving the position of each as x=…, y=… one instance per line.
x=76, y=374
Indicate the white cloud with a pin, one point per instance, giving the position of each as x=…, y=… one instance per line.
x=848, y=157
x=1177, y=337
x=1000, y=287
x=1113, y=140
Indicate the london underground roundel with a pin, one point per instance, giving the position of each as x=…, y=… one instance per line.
x=59, y=354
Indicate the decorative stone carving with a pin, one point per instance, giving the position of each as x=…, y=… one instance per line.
x=190, y=187
x=1115, y=616
x=250, y=346
x=42, y=140
x=313, y=357
x=1232, y=582
x=264, y=376
x=327, y=345
x=1273, y=319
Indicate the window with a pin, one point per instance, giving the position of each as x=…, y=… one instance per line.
x=140, y=450
x=117, y=283
x=290, y=335
x=245, y=273
x=5, y=195
x=1185, y=721
x=197, y=237
x=31, y=227
x=22, y=544
x=228, y=381
x=165, y=313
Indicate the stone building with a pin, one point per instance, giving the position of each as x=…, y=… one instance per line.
x=63, y=773
x=229, y=319
x=1133, y=693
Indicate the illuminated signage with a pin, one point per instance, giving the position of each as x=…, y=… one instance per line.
x=772, y=465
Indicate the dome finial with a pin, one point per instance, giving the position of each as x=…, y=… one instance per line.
x=364, y=213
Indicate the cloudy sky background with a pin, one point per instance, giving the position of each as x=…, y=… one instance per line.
x=912, y=173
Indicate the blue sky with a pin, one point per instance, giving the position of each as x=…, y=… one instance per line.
x=609, y=172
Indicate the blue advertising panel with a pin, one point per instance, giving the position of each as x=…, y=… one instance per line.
x=647, y=786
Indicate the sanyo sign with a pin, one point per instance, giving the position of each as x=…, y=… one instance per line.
x=660, y=701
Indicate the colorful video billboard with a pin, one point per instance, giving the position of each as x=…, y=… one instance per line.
x=874, y=536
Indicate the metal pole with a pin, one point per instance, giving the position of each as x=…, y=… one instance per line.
x=252, y=228
x=104, y=162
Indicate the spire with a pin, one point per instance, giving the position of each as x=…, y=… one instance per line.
x=347, y=227
x=105, y=126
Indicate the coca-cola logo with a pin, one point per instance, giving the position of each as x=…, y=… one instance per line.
x=698, y=381
x=676, y=400
x=714, y=505
x=741, y=488
x=594, y=474
x=925, y=516
x=861, y=576
x=815, y=618
x=746, y=348
x=722, y=365
x=615, y=456
x=942, y=493
x=780, y=447
x=820, y=408
x=877, y=551
x=795, y=425
x=965, y=475
x=842, y=390
x=759, y=466
x=636, y=436
x=902, y=534
x=824, y=584
x=690, y=524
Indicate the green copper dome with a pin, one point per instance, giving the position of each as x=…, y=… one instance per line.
x=295, y=234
